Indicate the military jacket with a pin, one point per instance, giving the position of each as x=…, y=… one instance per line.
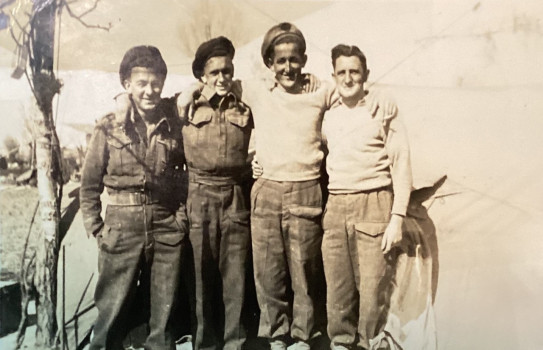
x=122, y=158
x=217, y=136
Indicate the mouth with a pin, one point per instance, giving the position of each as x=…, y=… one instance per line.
x=289, y=76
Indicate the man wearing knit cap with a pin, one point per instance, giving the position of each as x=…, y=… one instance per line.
x=216, y=137
x=139, y=159
x=287, y=198
x=369, y=171
x=286, y=201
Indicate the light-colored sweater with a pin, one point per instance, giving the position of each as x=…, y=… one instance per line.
x=287, y=134
x=367, y=152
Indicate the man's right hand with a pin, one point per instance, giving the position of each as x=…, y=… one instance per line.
x=258, y=170
x=186, y=99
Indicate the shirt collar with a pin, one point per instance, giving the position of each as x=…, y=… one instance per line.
x=208, y=93
x=130, y=118
x=339, y=101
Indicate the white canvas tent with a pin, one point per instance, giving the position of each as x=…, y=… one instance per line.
x=467, y=80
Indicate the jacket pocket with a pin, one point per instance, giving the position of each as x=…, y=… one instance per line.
x=373, y=229
x=237, y=119
x=203, y=115
x=121, y=154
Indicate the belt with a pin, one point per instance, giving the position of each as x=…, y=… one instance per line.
x=132, y=198
x=213, y=180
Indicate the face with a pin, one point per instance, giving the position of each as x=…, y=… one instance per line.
x=350, y=76
x=145, y=86
x=287, y=64
x=218, y=74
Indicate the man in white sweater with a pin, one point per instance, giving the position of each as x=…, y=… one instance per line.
x=369, y=171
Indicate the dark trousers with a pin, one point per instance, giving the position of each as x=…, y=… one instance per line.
x=138, y=245
x=286, y=238
x=220, y=238
x=357, y=272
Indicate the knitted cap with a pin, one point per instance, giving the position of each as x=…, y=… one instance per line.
x=279, y=32
x=142, y=56
x=215, y=47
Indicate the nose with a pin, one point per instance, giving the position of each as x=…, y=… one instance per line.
x=288, y=67
x=348, y=78
x=148, y=89
x=221, y=77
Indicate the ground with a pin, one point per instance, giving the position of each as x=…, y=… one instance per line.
x=17, y=205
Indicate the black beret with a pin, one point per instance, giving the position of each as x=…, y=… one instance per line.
x=278, y=32
x=215, y=47
x=142, y=56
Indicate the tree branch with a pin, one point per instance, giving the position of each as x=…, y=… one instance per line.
x=80, y=19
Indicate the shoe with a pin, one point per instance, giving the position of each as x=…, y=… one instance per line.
x=299, y=345
x=278, y=345
x=338, y=347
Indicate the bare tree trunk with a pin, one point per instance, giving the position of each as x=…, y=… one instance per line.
x=45, y=278
x=49, y=174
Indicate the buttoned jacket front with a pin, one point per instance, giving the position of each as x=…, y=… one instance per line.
x=216, y=137
x=123, y=159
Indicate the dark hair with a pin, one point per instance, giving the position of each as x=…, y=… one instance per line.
x=142, y=56
x=348, y=51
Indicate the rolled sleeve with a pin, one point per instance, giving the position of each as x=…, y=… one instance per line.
x=397, y=146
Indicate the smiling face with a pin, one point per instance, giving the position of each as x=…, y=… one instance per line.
x=145, y=87
x=287, y=63
x=218, y=74
x=350, y=77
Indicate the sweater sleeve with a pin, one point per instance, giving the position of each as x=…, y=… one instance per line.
x=397, y=146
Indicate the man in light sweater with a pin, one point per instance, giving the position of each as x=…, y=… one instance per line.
x=369, y=171
x=286, y=201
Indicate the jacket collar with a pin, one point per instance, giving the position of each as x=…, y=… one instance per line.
x=128, y=119
x=235, y=92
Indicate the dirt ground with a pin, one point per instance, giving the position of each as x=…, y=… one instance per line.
x=17, y=205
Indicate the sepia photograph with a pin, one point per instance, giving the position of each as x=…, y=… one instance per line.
x=271, y=174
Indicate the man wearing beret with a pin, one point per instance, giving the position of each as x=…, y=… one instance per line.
x=216, y=136
x=139, y=159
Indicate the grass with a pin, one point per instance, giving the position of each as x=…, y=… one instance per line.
x=17, y=204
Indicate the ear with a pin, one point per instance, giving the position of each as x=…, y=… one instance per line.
x=203, y=79
x=270, y=63
x=304, y=61
x=126, y=84
x=366, y=75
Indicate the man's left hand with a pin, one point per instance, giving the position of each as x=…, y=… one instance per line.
x=311, y=83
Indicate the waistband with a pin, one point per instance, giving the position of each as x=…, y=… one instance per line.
x=214, y=180
x=123, y=198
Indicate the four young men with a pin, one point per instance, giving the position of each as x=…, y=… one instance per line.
x=286, y=203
